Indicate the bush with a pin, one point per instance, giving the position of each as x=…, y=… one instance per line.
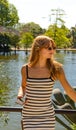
x=73, y=126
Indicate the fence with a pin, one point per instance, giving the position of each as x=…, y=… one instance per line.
x=19, y=109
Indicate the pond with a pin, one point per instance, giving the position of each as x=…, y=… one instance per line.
x=10, y=80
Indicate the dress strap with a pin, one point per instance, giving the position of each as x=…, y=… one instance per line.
x=27, y=71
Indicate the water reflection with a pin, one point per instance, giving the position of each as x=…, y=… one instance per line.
x=10, y=79
x=10, y=75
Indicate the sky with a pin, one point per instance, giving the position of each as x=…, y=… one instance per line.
x=39, y=11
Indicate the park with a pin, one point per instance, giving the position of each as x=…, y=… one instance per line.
x=15, y=45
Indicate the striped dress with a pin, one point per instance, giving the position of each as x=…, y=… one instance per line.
x=38, y=112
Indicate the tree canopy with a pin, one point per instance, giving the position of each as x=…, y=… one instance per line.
x=8, y=14
x=59, y=34
x=33, y=28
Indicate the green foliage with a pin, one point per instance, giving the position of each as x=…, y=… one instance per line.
x=32, y=28
x=73, y=127
x=4, y=39
x=4, y=117
x=3, y=92
x=14, y=40
x=27, y=39
x=12, y=15
x=4, y=9
x=8, y=14
x=7, y=41
x=73, y=36
x=59, y=35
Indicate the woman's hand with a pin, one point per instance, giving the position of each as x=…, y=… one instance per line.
x=20, y=101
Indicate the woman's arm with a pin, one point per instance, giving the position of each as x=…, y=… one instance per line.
x=22, y=89
x=69, y=90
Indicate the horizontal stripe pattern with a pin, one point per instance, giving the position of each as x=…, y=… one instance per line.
x=38, y=112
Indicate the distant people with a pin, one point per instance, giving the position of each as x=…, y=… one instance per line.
x=38, y=77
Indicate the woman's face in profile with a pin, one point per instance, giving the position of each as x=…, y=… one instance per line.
x=47, y=52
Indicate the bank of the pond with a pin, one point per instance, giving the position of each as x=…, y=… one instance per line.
x=28, y=49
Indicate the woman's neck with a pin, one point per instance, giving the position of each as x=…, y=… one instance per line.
x=41, y=63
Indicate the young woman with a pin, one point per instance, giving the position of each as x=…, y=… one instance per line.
x=38, y=78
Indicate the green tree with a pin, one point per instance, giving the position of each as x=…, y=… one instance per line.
x=14, y=41
x=26, y=40
x=73, y=36
x=74, y=127
x=12, y=16
x=59, y=35
x=4, y=43
x=33, y=28
x=8, y=14
x=4, y=10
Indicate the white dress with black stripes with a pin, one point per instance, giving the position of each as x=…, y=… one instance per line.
x=38, y=112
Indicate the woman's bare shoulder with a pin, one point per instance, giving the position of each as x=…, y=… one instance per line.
x=23, y=69
x=57, y=64
x=59, y=69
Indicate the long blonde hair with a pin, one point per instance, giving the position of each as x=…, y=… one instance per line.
x=39, y=43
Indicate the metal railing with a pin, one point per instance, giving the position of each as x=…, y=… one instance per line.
x=19, y=109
